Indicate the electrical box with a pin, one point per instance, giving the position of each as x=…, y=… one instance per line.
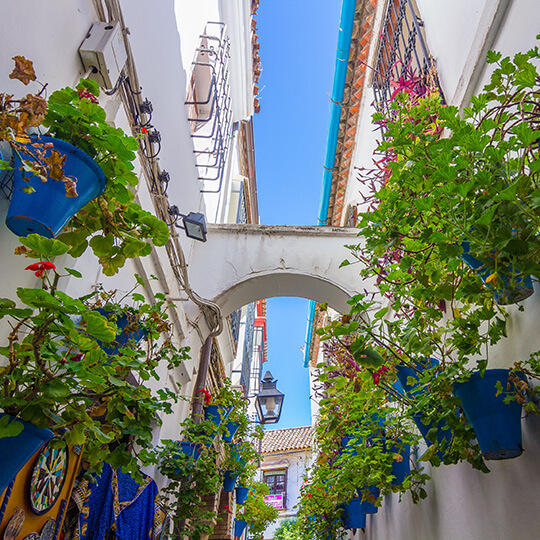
x=103, y=53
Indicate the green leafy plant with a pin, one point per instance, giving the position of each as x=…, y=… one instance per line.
x=449, y=187
x=75, y=116
x=288, y=529
x=256, y=512
x=59, y=376
x=191, y=479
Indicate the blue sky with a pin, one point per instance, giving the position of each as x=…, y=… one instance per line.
x=298, y=50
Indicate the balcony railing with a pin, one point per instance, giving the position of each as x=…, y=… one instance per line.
x=403, y=56
x=209, y=106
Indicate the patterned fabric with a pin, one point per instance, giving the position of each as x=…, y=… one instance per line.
x=117, y=507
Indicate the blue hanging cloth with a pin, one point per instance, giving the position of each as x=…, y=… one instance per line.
x=118, y=507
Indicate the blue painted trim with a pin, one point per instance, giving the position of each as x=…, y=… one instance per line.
x=342, y=59
x=340, y=74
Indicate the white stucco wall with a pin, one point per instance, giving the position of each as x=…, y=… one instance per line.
x=50, y=34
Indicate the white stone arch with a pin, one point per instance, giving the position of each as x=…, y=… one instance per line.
x=240, y=264
x=275, y=284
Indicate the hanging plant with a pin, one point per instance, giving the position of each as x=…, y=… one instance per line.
x=59, y=376
x=74, y=116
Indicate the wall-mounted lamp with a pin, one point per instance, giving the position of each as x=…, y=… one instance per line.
x=194, y=223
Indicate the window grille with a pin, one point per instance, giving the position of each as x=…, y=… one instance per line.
x=256, y=361
x=234, y=321
x=248, y=347
x=403, y=58
x=209, y=106
x=241, y=215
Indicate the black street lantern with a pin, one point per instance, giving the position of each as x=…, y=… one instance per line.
x=269, y=401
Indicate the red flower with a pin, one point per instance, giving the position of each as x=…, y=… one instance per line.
x=228, y=509
x=379, y=374
x=144, y=130
x=85, y=94
x=207, y=396
x=41, y=267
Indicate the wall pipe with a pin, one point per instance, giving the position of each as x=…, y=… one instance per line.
x=348, y=9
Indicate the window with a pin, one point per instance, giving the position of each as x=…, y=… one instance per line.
x=403, y=58
x=209, y=106
x=277, y=484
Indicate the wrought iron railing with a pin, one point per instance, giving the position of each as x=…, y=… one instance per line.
x=248, y=346
x=403, y=56
x=209, y=106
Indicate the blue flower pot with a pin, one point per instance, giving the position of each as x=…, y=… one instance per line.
x=405, y=372
x=507, y=294
x=241, y=494
x=191, y=449
x=216, y=413
x=348, y=448
x=124, y=337
x=239, y=527
x=47, y=211
x=353, y=516
x=230, y=429
x=16, y=451
x=497, y=424
x=400, y=469
x=366, y=506
x=236, y=455
x=229, y=481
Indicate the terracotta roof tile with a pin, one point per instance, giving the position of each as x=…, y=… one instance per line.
x=278, y=440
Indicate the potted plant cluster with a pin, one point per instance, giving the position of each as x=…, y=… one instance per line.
x=60, y=377
x=450, y=187
x=204, y=462
x=80, y=173
x=191, y=477
x=255, y=513
x=447, y=265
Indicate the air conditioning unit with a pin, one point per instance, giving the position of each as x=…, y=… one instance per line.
x=103, y=53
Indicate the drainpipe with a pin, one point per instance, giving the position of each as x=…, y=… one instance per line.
x=348, y=9
x=201, y=379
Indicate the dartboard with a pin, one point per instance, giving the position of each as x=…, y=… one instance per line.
x=47, y=480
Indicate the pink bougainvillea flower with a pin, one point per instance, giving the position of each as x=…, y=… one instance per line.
x=379, y=374
x=41, y=267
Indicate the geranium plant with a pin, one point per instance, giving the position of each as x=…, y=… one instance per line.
x=256, y=511
x=75, y=116
x=59, y=376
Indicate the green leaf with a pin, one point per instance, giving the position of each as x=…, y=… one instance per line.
x=102, y=245
x=73, y=272
x=116, y=381
x=39, y=298
x=47, y=248
x=76, y=435
x=98, y=327
x=382, y=312
x=366, y=357
x=493, y=57
x=9, y=426
x=56, y=389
